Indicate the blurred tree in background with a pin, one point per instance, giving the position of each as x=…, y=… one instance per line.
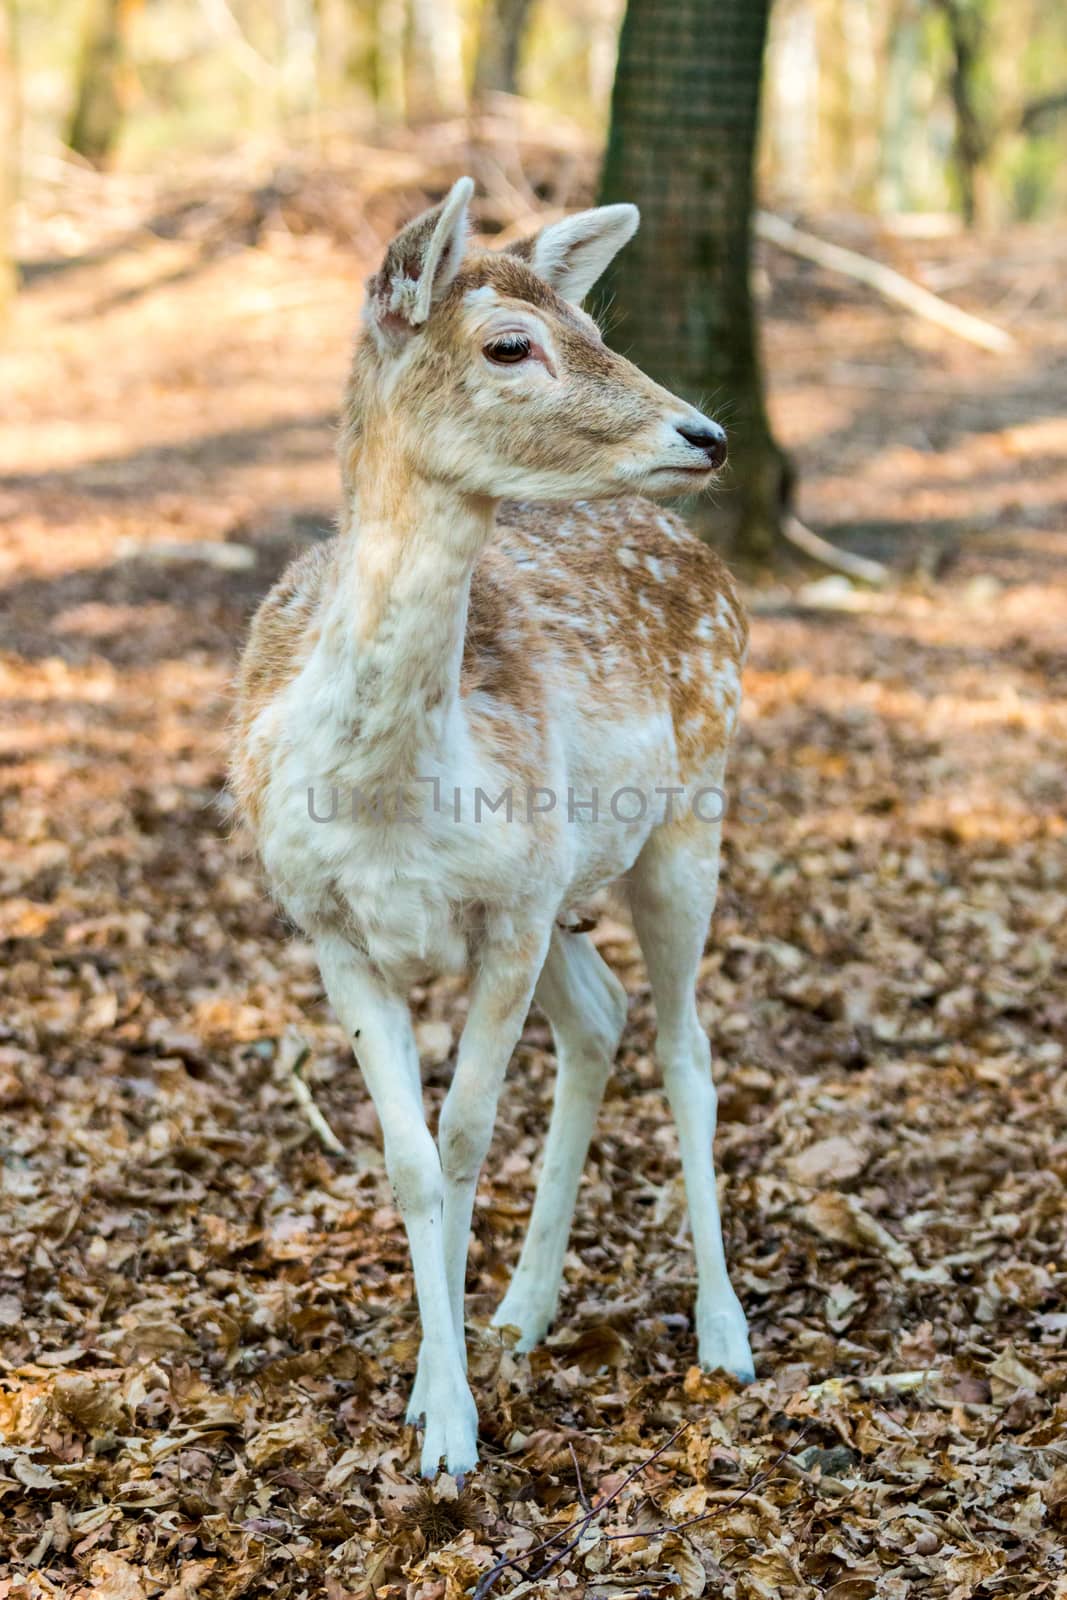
x=918, y=105
x=993, y=109
x=955, y=109
x=967, y=23
x=96, y=121
x=503, y=27
x=885, y=105
x=9, y=144
x=682, y=145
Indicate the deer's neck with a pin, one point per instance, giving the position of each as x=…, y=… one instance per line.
x=399, y=617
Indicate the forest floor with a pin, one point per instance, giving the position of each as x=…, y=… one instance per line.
x=206, y=1323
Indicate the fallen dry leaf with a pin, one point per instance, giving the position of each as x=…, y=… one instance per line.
x=116, y=1579
x=829, y=1161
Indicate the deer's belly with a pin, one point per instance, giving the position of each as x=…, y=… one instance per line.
x=413, y=875
x=412, y=891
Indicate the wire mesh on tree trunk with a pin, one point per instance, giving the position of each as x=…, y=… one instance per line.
x=685, y=113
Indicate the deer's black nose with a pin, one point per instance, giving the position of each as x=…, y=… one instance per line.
x=706, y=436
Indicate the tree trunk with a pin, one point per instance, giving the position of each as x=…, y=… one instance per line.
x=895, y=185
x=333, y=50
x=500, y=46
x=684, y=121
x=9, y=144
x=97, y=120
x=966, y=24
x=390, y=78
x=438, y=57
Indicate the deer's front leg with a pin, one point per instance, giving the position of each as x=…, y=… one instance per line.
x=379, y=1025
x=500, y=999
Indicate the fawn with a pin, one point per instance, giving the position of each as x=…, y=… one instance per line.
x=455, y=648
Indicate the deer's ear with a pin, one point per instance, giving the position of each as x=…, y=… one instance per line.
x=571, y=255
x=419, y=265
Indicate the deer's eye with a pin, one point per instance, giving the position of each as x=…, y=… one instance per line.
x=508, y=350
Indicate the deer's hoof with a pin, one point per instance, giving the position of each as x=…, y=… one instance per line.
x=451, y=1436
x=722, y=1335
x=532, y=1318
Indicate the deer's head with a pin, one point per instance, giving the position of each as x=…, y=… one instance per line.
x=482, y=370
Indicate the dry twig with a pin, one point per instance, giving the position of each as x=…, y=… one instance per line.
x=289, y=1067
x=820, y=549
x=885, y=281
x=577, y=1528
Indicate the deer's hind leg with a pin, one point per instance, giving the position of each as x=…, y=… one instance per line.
x=672, y=886
x=586, y=1006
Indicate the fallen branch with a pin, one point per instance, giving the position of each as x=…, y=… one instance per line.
x=726, y=1498
x=883, y=280
x=878, y=1383
x=576, y=1529
x=820, y=549
x=583, y=1498
x=289, y=1070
